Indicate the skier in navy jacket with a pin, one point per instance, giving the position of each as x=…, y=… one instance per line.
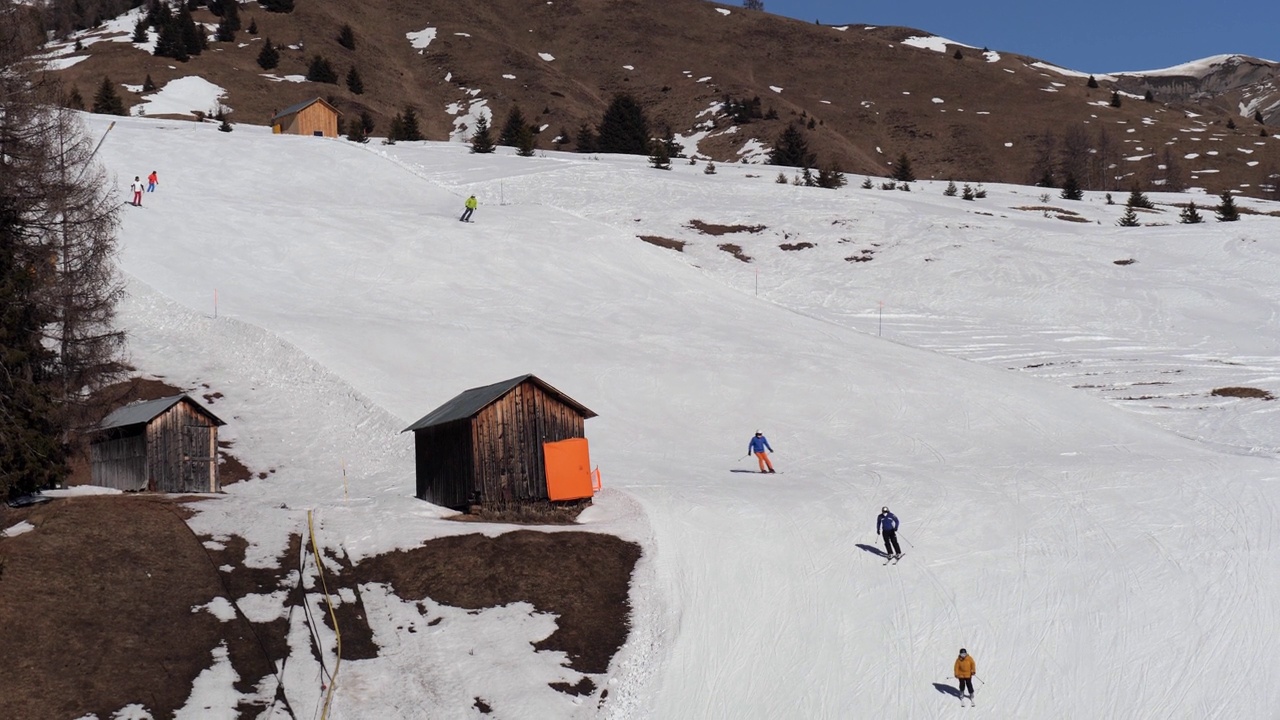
x=887, y=526
x=758, y=445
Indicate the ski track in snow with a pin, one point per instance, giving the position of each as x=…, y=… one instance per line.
x=1115, y=560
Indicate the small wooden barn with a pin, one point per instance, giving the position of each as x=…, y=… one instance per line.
x=313, y=117
x=165, y=445
x=517, y=442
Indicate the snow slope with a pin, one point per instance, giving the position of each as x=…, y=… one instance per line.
x=1097, y=562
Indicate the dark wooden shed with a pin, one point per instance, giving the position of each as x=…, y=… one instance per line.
x=490, y=445
x=165, y=445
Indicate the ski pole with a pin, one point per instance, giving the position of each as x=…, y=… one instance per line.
x=975, y=677
x=909, y=543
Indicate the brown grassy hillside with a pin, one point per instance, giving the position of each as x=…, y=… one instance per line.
x=870, y=96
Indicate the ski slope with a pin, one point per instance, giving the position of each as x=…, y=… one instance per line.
x=1098, y=557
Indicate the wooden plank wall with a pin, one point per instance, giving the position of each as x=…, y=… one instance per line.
x=310, y=119
x=119, y=463
x=444, y=471
x=508, y=436
x=167, y=457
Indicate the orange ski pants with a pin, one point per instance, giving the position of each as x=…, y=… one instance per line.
x=763, y=459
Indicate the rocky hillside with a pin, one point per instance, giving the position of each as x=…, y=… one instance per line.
x=865, y=94
x=1236, y=84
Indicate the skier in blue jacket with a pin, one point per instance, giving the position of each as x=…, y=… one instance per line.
x=887, y=526
x=758, y=445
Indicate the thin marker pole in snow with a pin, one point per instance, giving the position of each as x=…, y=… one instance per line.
x=345, y=496
x=757, y=282
x=880, y=328
x=215, y=303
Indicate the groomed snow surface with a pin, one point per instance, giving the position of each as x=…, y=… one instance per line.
x=1100, y=555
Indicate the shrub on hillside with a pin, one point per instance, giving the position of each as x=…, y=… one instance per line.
x=792, y=149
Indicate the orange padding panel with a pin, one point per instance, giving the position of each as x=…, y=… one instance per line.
x=568, y=469
x=595, y=480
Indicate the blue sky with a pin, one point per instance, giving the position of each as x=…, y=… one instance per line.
x=1087, y=35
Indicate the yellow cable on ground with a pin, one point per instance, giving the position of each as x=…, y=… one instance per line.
x=333, y=679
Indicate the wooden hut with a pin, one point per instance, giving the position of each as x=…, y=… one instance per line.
x=313, y=117
x=165, y=445
x=517, y=442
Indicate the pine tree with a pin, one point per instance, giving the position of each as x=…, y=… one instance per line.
x=107, y=101
x=148, y=85
x=253, y=27
x=866, y=183
x=321, y=71
x=1093, y=82
x=347, y=37
x=356, y=132
x=1128, y=219
x=1115, y=99
x=354, y=83
x=658, y=156
x=140, y=31
x=709, y=168
x=792, y=149
x=526, y=143
x=902, y=171
x=951, y=190
x=225, y=126
x=624, y=129
x=1257, y=116
x=268, y=57
x=959, y=55
x=1189, y=215
x=75, y=100
x=1227, y=211
x=366, y=122
x=830, y=177
x=409, y=126
x=1071, y=188
x=1231, y=124
x=193, y=39
x=482, y=138
x=1138, y=200
x=224, y=33
x=277, y=6
x=967, y=193
x=511, y=129
x=585, y=141
x=1148, y=97
x=395, y=131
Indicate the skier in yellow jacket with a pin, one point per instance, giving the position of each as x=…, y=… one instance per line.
x=966, y=668
x=470, y=208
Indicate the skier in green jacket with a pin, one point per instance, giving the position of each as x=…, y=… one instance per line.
x=471, y=207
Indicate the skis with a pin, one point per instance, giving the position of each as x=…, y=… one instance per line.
x=894, y=559
x=971, y=702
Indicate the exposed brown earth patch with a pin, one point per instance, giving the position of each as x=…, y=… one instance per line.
x=584, y=578
x=662, y=242
x=1243, y=392
x=717, y=230
x=1126, y=261
x=796, y=246
x=736, y=251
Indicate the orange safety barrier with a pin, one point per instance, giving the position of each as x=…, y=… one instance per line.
x=568, y=464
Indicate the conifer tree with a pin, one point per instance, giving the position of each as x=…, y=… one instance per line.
x=1148, y=97
x=1093, y=82
x=321, y=71
x=562, y=138
x=193, y=39
x=624, y=128
x=1129, y=218
x=366, y=121
x=1071, y=188
x=1231, y=123
x=526, y=143
x=1227, y=211
x=792, y=149
x=347, y=37
x=140, y=31
x=511, y=129
x=107, y=101
x=967, y=193
x=658, y=156
x=148, y=85
x=830, y=177
x=1138, y=200
x=585, y=141
x=1190, y=215
x=268, y=57
x=75, y=101
x=951, y=190
x=356, y=132
x=409, y=126
x=866, y=183
x=277, y=6
x=902, y=171
x=1115, y=98
x=354, y=83
x=482, y=138
x=253, y=27
x=1257, y=116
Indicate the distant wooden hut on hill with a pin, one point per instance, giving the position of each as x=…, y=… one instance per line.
x=313, y=117
x=517, y=442
x=164, y=445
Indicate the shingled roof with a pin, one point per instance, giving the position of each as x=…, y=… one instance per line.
x=294, y=109
x=469, y=403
